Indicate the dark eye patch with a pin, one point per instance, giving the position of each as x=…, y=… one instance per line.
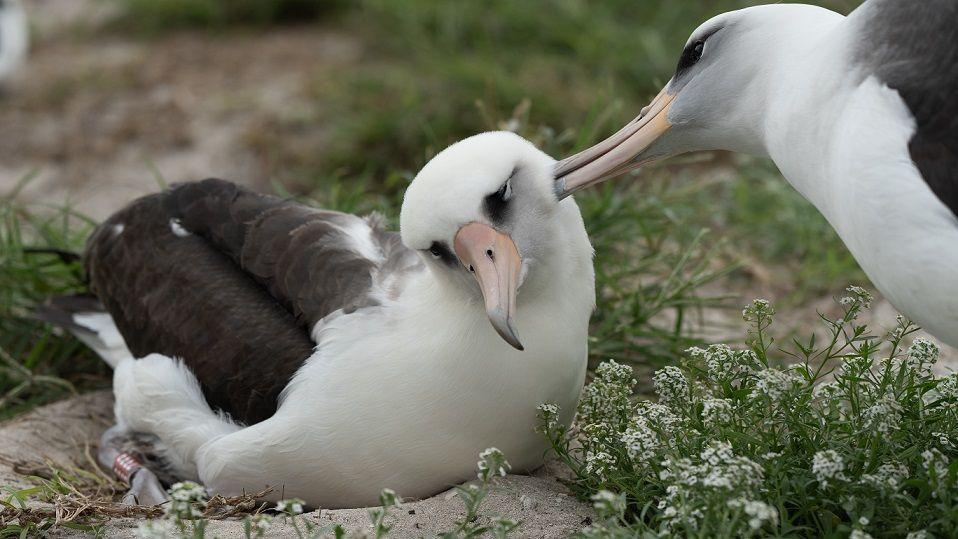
x=440, y=251
x=497, y=204
x=691, y=55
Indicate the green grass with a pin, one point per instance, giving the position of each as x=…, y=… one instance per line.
x=37, y=363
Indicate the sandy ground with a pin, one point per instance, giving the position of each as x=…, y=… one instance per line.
x=66, y=431
x=96, y=119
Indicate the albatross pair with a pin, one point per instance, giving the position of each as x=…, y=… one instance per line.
x=315, y=352
x=408, y=380
x=858, y=112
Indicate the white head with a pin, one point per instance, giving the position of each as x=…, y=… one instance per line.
x=484, y=212
x=717, y=98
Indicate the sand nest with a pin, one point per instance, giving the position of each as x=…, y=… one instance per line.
x=65, y=434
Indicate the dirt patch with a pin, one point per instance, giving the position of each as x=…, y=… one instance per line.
x=66, y=432
x=100, y=119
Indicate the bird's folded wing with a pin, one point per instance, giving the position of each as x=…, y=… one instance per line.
x=311, y=261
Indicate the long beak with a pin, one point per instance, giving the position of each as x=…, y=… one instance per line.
x=617, y=154
x=494, y=260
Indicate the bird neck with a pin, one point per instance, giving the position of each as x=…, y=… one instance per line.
x=808, y=92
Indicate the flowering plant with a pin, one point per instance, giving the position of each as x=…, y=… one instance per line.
x=853, y=436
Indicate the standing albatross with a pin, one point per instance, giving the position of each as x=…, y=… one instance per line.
x=860, y=115
x=317, y=353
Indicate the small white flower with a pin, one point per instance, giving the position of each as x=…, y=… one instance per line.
x=716, y=412
x=888, y=478
x=759, y=513
x=155, y=529
x=548, y=415
x=492, y=462
x=608, y=504
x=641, y=442
x=773, y=383
x=935, y=462
x=292, y=506
x=598, y=463
x=827, y=465
x=187, y=491
x=859, y=534
x=883, y=416
x=671, y=385
x=863, y=521
x=922, y=354
x=920, y=534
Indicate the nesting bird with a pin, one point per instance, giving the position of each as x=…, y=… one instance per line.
x=258, y=341
x=858, y=112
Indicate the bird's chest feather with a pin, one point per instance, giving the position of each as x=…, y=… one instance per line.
x=902, y=235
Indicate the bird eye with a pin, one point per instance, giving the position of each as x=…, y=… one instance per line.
x=691, y=55
x=697, y=50
x=440, y=251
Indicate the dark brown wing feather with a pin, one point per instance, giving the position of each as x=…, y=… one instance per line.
x=300, y=254
x=235, y=299
x=912, y=45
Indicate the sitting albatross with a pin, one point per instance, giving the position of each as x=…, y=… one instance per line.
x=314, y=352
x=859, y=114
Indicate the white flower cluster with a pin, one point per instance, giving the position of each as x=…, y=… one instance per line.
x=716, y=412
x=642, y=442
x=947, y=387
x=598, y=463
x=887, y=478
x=858, y=300
x=935, y=463
x=491, y=463
x=827, y=391
x=859, y=534
x=922, y=355
x=292, y=506
x=759, y=310
x=155, y=529
x=723, y=363
x=608, y=398
x=671, y=385
x=186, y=499
x=716, y=471
x=608, y=504
x=759, y=513
x=548, y=415
x=884, y=416
x=828, y=465
x=920, y=534
x=774, y=384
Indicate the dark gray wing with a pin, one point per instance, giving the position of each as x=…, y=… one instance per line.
x=228, y=280
x=305, y=257
x=912, y=46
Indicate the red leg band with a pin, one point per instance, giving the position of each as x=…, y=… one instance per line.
x=124, y=465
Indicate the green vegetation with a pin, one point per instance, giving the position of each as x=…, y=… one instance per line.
x=855, y=436
x=37, y=363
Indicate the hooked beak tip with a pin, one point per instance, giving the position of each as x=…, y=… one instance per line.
x=505, y=328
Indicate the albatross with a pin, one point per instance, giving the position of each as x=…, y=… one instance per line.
x=859, y=114
x=257, y=341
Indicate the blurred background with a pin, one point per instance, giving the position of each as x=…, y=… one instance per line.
x=340, y=102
